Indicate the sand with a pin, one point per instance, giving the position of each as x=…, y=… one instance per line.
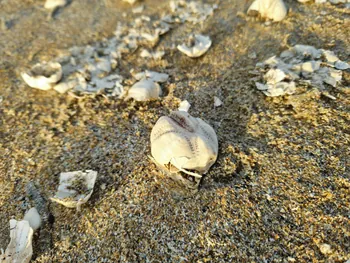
x=279, y=191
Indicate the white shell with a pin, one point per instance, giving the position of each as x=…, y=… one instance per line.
x=75, y=188
x=20, y=248
x=184, y=142
x=33, y=217
x=152, y=75
x=271, y=9
x=198, y=48
x=217, y=102
x=52, y=4
x=184, y=106
x=144, y=90
x=130, y=1
x=43, y=76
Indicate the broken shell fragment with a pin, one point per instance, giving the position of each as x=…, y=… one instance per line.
x=52, y=4
x=20, y=248
x=152, y=75
x=75, y=188
x=144, y=90
x=130, y=1
x=33, y=217
x=197, y=46
x=271, y=9
x=43, y=76
x=184, y=106
x=180, y=142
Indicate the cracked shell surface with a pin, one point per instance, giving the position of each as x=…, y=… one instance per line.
x=75, y=188
x=184, y=141
x=200, y=44
x=20, y=248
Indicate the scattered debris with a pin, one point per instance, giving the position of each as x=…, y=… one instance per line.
x=180, y=143
x=275, y=10
x=196, y=46
x=20, y=248
x=184, y=106
x=155, y=55
x=43, y=75
x=75, y=188
x=300, y=64
x=33, y=217
x=325, y=249
x=217, y=102
x=152, y=75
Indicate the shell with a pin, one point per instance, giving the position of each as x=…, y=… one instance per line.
x=20, y=248
x=152, y=75
x=198, y=45
x=75, y=188
x=33, y=217
x=43, y=75
x=184, y=106
x=271, y=9
x=144, y=90
x=185, y=142
x=52, y=4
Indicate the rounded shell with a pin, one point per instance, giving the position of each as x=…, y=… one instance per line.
x=184, y=141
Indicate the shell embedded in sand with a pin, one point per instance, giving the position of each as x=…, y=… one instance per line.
x=130, y=1
x=152, y=75
x=184, y=142
x=52, y=4
x=20, y=248
x=197, y=46
x=43, y=75
x=271, y=9
x=144, y=90
x=75, y=188
x=33, y=217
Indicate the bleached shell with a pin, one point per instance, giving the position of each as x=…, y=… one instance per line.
x=184, y=106
x=152, y=75
x=43, y=76
x=130, y=1
x=33, y=217
x=271, y=9
x=20, y=248
x=144, y=90
x=52, y=4
x=185, y=142
x=75, y=188
x=201, y=45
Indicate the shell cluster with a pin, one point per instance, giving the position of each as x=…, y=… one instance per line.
x=299, y=65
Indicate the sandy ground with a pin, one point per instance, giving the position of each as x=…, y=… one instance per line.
x=278, y=192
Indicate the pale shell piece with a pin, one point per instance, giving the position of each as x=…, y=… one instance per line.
x=279, y=89
x=52, y=4
x=33, y=217
x=155, y=55
x=271, y=9
x=144, y=90
x=200, y=44
x=274, y=76
x=329, y=56
x=341, y=65
x=152, y=75
x=184, y=106
x=20, y=248
x=130, y=1
x=185, y=142
x=217, y=102
x=306, y=50
x=63, y=87
x=309, y=66
x=138, y=9
x=43, y=75
x=75, y=188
